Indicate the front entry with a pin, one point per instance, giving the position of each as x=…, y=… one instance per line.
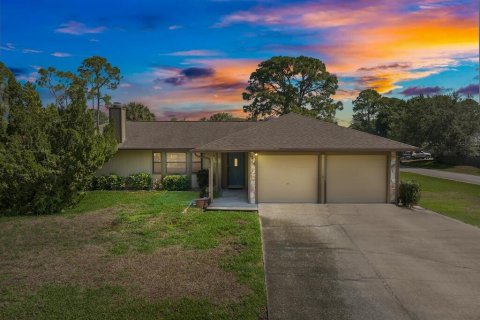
x=236, y=170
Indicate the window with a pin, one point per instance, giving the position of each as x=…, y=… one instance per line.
x=157, y=162
x=176, y=163
x=196, y=162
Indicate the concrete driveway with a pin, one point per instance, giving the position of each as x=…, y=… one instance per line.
x=368, y=262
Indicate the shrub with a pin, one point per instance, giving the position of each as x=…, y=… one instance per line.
x=202, y=180
x=157, y=184
x=176, y=183
x=409, y=193
x=139, y=181
x=115, y=182
x=101, y=183
x=92, y=183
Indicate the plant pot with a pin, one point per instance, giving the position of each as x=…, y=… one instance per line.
x=201, y=203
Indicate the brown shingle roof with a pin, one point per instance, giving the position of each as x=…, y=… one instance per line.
x=177, y=134
x=293, y=132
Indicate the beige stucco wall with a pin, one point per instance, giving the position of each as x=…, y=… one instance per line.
x=127, y=162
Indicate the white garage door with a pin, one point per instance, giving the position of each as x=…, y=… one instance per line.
x=356, y=178
x=287, y=178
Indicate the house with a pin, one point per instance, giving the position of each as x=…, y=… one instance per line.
x=291, y=158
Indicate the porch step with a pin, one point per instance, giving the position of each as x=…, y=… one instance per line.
x=240, y=208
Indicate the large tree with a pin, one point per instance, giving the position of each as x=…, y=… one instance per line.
x=98, y=75
x=139, y=112
x=366, y=107
x=282, y=85
x=47, y=154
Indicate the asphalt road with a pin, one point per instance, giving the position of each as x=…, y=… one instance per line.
x=369, y=262
x=461, y=177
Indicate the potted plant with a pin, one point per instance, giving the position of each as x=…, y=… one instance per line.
x=202, y=179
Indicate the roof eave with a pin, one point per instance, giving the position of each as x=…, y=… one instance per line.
x=355, y=150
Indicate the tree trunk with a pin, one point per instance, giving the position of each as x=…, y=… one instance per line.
x=98, y=108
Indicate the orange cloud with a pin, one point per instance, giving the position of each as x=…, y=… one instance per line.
x=363, y=36
x=424, y=42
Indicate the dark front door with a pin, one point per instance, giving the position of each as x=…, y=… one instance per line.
x=236, y=170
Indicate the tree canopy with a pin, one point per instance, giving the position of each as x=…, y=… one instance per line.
x=282, y=85
x=442, y=124
x=221, y=116
x=47, y=154
x=139, y=112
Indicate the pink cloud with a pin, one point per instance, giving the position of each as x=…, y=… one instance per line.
x=415, y=91
x=61, y=54
x=194, y=53
x=470, y=90
x=78, y=28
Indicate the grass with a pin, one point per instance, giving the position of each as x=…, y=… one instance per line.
x=431, y=164
x=457, y=200
x=126, y=255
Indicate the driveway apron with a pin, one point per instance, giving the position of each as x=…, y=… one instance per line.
x=368, y=262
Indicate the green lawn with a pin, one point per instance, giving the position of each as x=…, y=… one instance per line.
x=454, y=199
x=431, y=164
x=132, y=255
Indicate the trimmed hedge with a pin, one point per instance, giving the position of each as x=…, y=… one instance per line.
x=176, y=183
x=115, y=182
x=409, y=193
x=139, y=181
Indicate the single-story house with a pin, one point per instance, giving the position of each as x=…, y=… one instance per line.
x=291, y=158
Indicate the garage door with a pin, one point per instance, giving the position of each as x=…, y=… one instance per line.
x=287, y=178
x=356, y=178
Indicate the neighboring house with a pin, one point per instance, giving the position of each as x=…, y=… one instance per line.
x=287, y=159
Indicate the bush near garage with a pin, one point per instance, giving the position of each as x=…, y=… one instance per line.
x=409, y=193
x=176, y=183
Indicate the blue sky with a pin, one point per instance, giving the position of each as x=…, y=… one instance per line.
x=191, y=58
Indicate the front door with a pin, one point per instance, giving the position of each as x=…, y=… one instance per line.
x=236, y=170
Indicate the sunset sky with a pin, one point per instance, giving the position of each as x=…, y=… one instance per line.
x=191, y=58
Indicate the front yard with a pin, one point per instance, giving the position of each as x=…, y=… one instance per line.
x=454, y=199
x=132, y=255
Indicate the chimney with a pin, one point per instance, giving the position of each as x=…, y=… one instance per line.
x=118, y=115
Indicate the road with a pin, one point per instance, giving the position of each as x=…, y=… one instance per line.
x=460, y=177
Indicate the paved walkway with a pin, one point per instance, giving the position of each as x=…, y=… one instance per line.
x=461, y=177
x=368, y=262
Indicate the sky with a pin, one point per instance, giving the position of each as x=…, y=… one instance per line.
x=189, y=59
